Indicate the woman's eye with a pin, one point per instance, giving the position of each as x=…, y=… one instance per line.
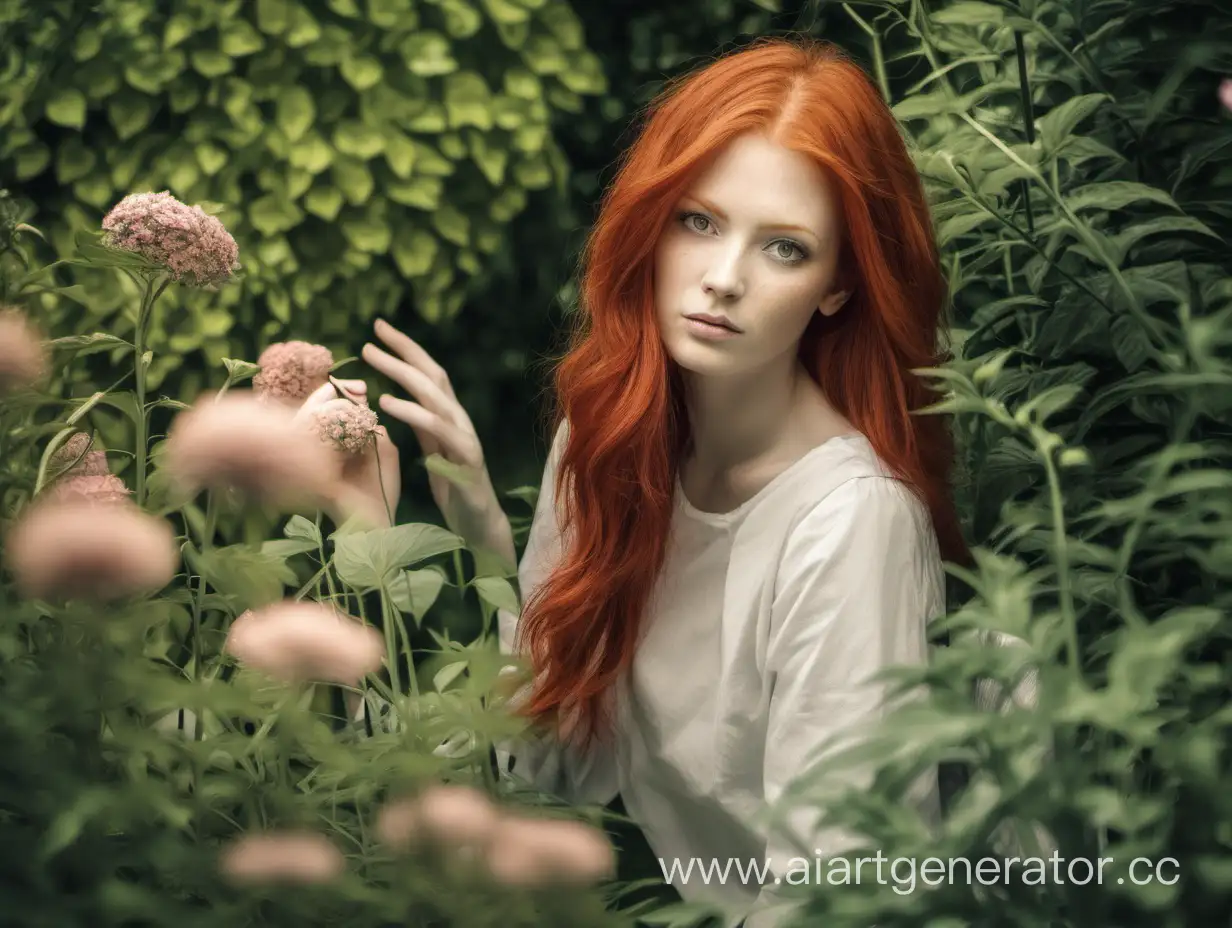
x=696, y=222
x=789, y=252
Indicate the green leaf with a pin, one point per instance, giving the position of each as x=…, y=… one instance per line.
x=368, y=233
x=1058, y=124
x=467, y=100
x=1130, y=342
x=67, y=107
x=324, y=202
x=365, y=560
x=273, y=16
x=497, y=592
x=452, y=224
x=287, y=547
x=179, y=27
x=427, y=53
x=247, y=577
x=211, y=63
x=505, y=11
x=73, y=160
x=271, y=215
x=302, y=528
x=295, y=112
x=361, y=72
x=354, y=179
x=415, y=591
x=447, y=674
x=312, y=154
x=399, y=153
x=462, y=20
x=90, y=344
x=238, y=371
x=1117, y=194
x=415, y=253
x=352, y=137
x=239, y=38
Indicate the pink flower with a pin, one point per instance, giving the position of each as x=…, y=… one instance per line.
x=78, y=549
x=72, y=459
x=350, y=426
x=1225, y=93
x=283, y=857
x=185, y=240
x=89, y=489
x=260, y=448
x=23, y=357
x=292, y=370
x=529, y=852
x=298, y=641
x=455, y=814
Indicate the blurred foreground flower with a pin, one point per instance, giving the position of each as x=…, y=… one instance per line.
x=293, y=857
x=23, y=357
x=71, y=549
x=89, y=489
x=1225, y=93
x=75, y=459
x=301, y=641
x=290, y=371
x=190, y=243
x=516, y=850
x=239, y=441
x=351, y=426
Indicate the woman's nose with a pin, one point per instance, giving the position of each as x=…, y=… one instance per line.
x=724, y=280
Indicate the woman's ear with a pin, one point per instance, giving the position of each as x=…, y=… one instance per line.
x=834, y=302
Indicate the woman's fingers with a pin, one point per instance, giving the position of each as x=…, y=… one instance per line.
x=416, y=383
x=409, y=350
x=459, y=446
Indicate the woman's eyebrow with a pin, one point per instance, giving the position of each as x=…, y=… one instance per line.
x=782, y=226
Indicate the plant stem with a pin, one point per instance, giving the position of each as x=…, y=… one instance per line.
x=153, y=290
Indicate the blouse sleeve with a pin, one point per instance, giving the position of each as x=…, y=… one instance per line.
x=545, y=763
x=859, y=579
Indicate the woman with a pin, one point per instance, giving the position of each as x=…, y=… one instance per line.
x=741, y=519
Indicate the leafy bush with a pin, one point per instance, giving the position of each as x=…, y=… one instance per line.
x=362, y=152
x=1076, y=155
x=158, y=710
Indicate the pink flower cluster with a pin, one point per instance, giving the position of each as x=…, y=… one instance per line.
x=83, y=475
x=68, y=547
x=190, y=243
x=298, y=642
x=351, y=426
x=290, y=371
x=23, y=357
x=239, y=442
x=514, y=850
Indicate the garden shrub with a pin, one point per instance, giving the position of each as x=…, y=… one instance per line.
x=1077, y=158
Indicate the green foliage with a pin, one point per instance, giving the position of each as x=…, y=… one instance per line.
x=1076, y=157
x=136, y=749
x=366, y=152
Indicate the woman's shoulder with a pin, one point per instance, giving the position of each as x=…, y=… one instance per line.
x=845, y=483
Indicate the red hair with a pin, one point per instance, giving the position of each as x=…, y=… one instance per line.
x=621, y=393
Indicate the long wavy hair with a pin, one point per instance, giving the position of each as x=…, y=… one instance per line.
x=622, y=395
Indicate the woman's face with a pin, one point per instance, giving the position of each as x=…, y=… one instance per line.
x=755, y=240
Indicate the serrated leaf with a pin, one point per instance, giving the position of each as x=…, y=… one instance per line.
x=1117, y=194
x=1059, y=123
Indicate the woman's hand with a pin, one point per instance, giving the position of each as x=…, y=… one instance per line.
x=362, y=477
x=471, y=507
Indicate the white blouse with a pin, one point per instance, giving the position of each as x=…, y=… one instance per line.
x=761, y=633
